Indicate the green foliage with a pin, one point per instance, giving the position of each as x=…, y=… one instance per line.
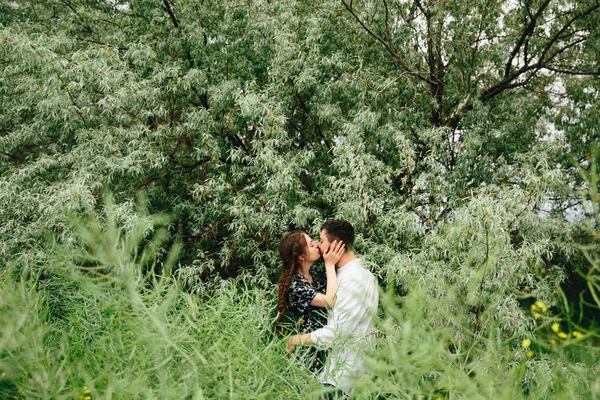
x=248, y=119
x=417, y=358
x=444, y=131
x=116, y=329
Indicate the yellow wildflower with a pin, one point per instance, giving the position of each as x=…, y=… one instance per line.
x=577, y=334
x=537, y=315
x=3, y=375
x=542, y=306
x=534, y=307
x=530, y=353
x=562, y=335
x=552, y=341
x=526, y=343
x=555, y=327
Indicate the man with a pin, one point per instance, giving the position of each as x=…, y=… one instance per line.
x=350, y=323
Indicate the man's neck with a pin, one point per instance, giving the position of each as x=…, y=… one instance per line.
x=345, y=259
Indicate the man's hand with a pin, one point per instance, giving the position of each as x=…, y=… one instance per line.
x=296, y=340
x=334, y=253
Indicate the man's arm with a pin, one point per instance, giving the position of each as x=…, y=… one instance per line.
x=352, y=307
x=357, y=301
x=323, y=337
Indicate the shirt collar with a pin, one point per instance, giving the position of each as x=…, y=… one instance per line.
x=349, y=265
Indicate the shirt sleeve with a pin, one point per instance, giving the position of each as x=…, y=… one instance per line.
x=301, y=294
x=350, y=315
x=343, y=312
x=323, y=338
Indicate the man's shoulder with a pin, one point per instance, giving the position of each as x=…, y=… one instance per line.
x=360, y=273
x=362, y=267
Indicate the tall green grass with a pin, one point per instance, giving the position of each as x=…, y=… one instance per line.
x=100, y=324
x=76, y=331
x=111, y=330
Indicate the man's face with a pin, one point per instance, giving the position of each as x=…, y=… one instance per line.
x=324, y=242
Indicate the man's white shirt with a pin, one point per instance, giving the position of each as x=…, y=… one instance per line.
x=350, y=325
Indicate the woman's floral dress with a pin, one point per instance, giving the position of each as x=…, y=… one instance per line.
x=304, y=317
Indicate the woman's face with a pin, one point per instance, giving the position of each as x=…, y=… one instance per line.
x=312, y=250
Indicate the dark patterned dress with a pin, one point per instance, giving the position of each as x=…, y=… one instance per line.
x=305, y=318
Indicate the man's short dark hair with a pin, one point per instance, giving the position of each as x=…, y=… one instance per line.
x=339, y=229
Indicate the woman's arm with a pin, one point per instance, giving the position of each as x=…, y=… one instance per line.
x=331, y=257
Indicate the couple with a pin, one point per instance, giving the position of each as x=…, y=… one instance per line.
x=350, y=297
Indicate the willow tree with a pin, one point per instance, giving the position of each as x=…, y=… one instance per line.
x=496, y=76
x=249, y=118
x=444, y=130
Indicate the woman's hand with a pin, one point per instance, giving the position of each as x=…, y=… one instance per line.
x=331, y=257
x=334, y=253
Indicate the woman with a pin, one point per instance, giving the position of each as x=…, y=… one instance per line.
x=305, y=291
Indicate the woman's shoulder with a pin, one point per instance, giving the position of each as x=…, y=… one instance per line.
x=296, y=279
x=298, y=283
x=300, y=294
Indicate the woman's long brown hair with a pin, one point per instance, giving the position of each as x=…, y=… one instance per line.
x=291, y=247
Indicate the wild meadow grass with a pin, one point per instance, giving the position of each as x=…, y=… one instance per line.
x=100, y=324
x=76, y=335
x=79, y=336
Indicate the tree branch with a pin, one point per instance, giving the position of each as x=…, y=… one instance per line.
x=169, y=8
x=476, y=47
x=13, y=157
x=571, y=72
x=558, y=34
x=101, y=43
x=316, y=126
x=387, y=27
x=83, y=23
x=542, y=62
x=562, y=49
x=527, y=32
x=390, y=48
x=420, y=6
